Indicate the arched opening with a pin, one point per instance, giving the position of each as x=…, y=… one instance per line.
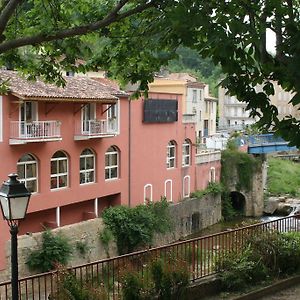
x=238, y=202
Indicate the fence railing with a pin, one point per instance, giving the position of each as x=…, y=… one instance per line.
x=34, y=130
x=96, y=127
x=200, y=254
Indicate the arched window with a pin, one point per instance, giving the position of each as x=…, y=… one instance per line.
x=212, y=174
x=59, y=170
x=111, y=163
x=147, y=193
x=186, y=153
x=186, y=186
x=168, y=190
x=171, y=155
x=87, y=166
x=27, y=172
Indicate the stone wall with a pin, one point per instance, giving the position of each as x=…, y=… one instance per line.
x=188, y=217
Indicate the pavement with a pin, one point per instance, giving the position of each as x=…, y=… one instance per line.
x=291, y=293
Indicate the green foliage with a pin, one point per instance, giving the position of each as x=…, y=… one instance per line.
x=240, y=163
x=164, y=281
x=135, y=227
x=287, y=184
x=240, y=270
x=82, y=247
x=55, y=249
x=213, y=188
x=106, y=236
x=228, y=212
x=132, y=40
x=133, y=287
x=69, y=288
x=264, y=256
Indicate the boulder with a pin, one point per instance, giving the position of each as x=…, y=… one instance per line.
x=271, y=205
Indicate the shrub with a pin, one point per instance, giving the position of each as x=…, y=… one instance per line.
x=135, y=227
x=106, y=237
x=238, y=270
x=69, y=287
x=213, y=188
x=265, y=255
x=82, y=247
x=164, y=281
x=54, y=249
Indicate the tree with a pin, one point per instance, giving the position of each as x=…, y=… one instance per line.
x=134, y=38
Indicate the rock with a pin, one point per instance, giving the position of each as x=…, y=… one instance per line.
x=272, y=205
x=283, y=209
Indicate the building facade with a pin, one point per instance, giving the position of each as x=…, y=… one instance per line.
x=233, y=113
x=197, y=105
x=87, y=146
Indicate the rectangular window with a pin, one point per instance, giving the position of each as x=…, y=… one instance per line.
x=194, y=99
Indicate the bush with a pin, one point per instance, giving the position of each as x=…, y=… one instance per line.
x=69, y=288
x=164, y=281
x=135, y=227
x=238, y=270
x=54, y=249
x=213, y=188
x=266, y=255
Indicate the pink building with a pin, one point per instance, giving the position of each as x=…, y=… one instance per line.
x=85, y=147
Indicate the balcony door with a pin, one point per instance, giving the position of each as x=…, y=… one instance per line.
x=28, y=114
x=112, y=116
x=88, y=115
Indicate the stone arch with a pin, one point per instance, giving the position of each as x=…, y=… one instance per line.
x=238, y=201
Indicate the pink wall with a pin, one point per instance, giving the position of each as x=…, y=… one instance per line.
x=148, y=153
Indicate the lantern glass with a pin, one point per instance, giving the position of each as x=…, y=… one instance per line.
x=5, y=207
x=14, y=208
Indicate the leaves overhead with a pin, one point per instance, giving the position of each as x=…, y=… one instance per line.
x=132, y=39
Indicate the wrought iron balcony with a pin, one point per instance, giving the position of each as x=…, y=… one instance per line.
x=96, y=129
x=35, y=131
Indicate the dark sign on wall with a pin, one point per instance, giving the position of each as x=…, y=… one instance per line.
x=160, y=111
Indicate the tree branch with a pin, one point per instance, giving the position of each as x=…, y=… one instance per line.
x=7, y=12
x=112, y=17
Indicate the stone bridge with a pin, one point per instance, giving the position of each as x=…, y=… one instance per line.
x=250, y=202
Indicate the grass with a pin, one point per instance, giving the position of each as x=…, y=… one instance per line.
x=283, y=177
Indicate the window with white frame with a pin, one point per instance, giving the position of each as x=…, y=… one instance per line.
x=186, y=186
x=148, y=193
x=87, y=166
x=212, y=174
x=27, y=172
x=59, y=170
x=194, y=99
x=186, y=153
x=111, y=163
x=171, y=155
x=168, y=190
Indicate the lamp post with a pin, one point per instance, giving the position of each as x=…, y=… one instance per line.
x=14, y=199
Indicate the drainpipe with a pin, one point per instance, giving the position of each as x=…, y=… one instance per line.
x=58, y=216
x=129, y=153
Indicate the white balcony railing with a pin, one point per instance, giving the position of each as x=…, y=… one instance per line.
x=208, y=156
x=188, y=118
x=34, y=131
x=96, y=128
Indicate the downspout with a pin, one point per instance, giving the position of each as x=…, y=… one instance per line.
x=129, y=153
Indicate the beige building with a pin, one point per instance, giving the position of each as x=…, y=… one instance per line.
x=197, y=106
x=233, y=113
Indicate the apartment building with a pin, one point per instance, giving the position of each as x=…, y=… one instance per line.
x=197, y=105
x=233, y=113
x=87, y=146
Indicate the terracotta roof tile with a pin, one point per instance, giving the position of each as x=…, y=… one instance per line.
x=76, y=89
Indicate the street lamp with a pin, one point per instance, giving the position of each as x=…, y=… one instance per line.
x=14, y=199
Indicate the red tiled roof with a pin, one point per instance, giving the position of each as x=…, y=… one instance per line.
x=76, y=89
